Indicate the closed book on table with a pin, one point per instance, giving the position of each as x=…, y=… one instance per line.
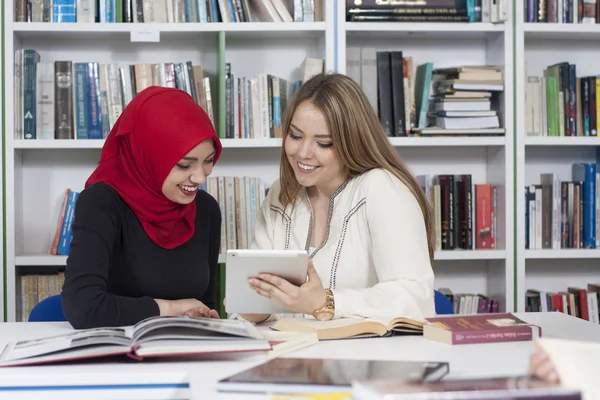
x=480, y=328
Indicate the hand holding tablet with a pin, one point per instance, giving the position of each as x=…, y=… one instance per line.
x=244, y=265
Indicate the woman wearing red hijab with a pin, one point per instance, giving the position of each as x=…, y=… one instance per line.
x=145, y=238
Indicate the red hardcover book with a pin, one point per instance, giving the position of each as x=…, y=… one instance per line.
x=480, y=328
x=483, y=216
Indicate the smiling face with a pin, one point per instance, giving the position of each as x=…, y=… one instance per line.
x=184, y=180
x=309, y=150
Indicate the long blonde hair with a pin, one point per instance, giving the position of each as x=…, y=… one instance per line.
x=358, y=138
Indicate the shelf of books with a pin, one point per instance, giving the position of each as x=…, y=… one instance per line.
x=557, y=157
x=448, y=81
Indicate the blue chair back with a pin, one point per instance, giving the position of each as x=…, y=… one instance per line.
x=48, y=310
x=442, y=304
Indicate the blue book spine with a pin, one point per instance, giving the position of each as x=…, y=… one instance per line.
x=64, y=11
x=94, y=111
x=66, y=234
x=108, y=11
x=586, y=172
x=471, y=10
x=526, y=217
x=232, y=11
x=81, y=96
x=30, y=61
x=215, y=14
x=276, y=102
x=202, y=13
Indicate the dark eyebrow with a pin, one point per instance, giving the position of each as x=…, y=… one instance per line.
x=317, y=136
x=186, y=158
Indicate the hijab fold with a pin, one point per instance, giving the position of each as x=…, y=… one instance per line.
x=154, y=132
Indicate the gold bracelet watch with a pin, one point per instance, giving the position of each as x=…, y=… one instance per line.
x=326, y=312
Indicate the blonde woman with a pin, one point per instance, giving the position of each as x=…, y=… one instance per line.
x=345, y=196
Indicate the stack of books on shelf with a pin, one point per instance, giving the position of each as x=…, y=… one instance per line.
x=559, y=103
x=72, y=100
x=469, y=303
x=457, y=101
x=427, y=10
x=33, y=288
x=564, y=214
x=465, y=213
x=576, y=301
x=463, y=96
x=171, y=11
x=240, y=199
x=255, y=105
x=562, y=11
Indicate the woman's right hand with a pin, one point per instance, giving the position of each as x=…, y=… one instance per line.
x=542, y=366
x=179, y=307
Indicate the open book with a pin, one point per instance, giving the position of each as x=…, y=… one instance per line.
x=576, y=362
x=152, y=337
x=350, y=327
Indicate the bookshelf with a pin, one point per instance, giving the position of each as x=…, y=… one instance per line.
x=538, y=46
x=488, y=159
x=38, y=171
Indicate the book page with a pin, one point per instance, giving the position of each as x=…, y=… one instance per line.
x=176, y=328
x=45, y=345
x=314, y=324
x=577, y=364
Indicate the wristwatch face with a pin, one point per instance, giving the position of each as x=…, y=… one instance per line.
x=324, y=316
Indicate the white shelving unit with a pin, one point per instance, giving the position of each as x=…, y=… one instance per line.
x=38, y=171
x=488, y=159
x=539, y=45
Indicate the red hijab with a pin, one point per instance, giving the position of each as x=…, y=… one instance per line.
x=154, y=132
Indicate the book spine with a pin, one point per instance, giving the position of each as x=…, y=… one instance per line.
x=93, y=102
x=30, y=61
x=384, y=94
x=63, y=92
x=397, y=78
x=499, y=335
x=81, y=99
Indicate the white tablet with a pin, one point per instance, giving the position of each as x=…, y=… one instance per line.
x=241, y=265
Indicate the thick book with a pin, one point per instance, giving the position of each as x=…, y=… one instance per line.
x=498, y=388
x=152, y=337
x=326, y=376
x=350, y=327
x=480, y=328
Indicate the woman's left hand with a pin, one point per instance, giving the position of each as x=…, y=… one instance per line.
x=304, y=299
x=201, y=312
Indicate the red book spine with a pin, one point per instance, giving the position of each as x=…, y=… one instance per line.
x=483, y=220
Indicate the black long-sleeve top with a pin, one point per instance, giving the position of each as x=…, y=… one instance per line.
x=115, y=271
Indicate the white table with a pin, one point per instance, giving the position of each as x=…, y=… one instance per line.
x=465, y=360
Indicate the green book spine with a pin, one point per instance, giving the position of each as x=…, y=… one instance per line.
x=119, y=11
x=552, y=105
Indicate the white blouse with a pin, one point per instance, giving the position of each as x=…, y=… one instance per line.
x=374, y=258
